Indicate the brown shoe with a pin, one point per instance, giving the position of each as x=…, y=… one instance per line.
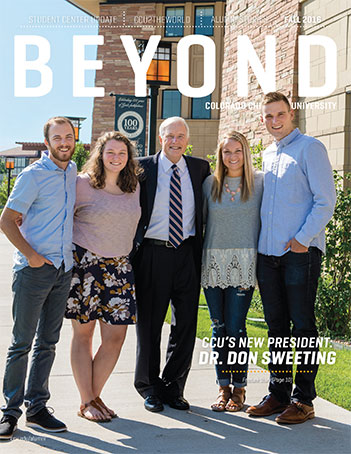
x=102, y=405
x=92, y=412
x=236, y=402
x=268, y=406
x=296, y=413
x=222, y=399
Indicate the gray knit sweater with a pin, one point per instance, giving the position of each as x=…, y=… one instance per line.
x=231, y=236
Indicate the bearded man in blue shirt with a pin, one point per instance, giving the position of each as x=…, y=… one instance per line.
x=298, y=202
x=43, y=198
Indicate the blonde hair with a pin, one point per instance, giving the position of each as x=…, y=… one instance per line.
x=247, y=178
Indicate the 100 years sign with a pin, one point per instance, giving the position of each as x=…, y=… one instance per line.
x=130, y=119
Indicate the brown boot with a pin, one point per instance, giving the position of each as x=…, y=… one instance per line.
x=268, y=406
x=222, y=399
x=296, y=413
x=236, y=402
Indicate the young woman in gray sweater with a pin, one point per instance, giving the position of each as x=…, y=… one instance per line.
x=232, y=199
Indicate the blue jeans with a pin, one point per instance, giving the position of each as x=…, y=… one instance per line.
x=228, y=309
x=288, y=286
x=39, y=302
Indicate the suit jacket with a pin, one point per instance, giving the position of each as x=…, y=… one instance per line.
x=198, y=169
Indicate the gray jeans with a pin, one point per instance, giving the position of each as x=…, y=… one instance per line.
x=39, y=302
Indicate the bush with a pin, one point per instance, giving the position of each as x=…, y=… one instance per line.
x=189, y=150
x=2, y=166
x=256, y=153
x=3, y=190
x=80, y=156
x=333, y=305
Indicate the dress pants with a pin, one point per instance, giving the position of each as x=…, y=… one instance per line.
x=288, y=286
x=165, y=275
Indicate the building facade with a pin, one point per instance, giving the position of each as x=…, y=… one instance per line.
x=172, y=20
x=287, y=20
x=331, y=125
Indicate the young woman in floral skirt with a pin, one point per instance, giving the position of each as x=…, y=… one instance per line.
x=107, y=212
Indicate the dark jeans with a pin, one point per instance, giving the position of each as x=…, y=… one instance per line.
x=288, y=286
x=228, y=309
x=39, y=302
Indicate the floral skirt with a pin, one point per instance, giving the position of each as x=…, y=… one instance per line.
x=101, y=289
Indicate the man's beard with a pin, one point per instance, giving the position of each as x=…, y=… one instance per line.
x=56, y=153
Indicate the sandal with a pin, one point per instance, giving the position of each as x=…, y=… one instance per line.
x=84, y=408
x=222, y=399
x=236, y=402
x=99, y=401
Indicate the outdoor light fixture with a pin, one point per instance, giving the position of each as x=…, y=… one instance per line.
x=10, y=165
x=159, y=72
x=76, y=121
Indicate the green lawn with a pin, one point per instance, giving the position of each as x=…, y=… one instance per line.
x=333, y=382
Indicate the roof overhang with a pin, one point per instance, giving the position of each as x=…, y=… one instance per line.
x=19, y=152
x=91, y=7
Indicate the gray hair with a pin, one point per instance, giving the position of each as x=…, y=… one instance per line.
x=170, y=120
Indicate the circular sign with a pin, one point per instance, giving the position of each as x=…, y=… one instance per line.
x=131, y=124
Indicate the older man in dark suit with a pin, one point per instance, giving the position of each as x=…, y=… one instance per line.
x=167, y=265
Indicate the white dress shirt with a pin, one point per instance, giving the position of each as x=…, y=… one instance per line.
x=159, y=222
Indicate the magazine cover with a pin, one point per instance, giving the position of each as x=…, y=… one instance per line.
x=227, y=126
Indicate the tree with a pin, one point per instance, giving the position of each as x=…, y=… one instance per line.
x=3, y=190
x=2, y=166
x=80, y=155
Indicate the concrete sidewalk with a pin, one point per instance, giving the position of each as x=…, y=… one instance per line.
x=197, y=431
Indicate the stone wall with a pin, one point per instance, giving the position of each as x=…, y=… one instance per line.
x=256, y=20
x=331, y=124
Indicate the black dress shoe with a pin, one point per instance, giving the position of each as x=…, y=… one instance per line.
x=153, y=403
x=179, y=403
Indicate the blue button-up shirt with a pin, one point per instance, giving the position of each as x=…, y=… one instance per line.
x=299, y=194
x=45, y=195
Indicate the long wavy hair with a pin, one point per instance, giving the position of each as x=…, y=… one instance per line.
x=128, y=177
x=247, y=178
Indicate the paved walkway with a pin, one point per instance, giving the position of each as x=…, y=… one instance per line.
x=197, y=431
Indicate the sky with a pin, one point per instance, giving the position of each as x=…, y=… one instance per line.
x=22, y=118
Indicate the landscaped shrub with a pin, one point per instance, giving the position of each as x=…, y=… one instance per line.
x=80, y=156
x=333, y=306
x=4, y=189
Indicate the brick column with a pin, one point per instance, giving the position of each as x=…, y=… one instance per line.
x=117, y=75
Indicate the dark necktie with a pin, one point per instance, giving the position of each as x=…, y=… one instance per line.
x=175, y=209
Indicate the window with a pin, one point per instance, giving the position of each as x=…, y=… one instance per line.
x=174, y=22
x=204, y=20
x=20, y=164
x=171, y=103
x=198, y=108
